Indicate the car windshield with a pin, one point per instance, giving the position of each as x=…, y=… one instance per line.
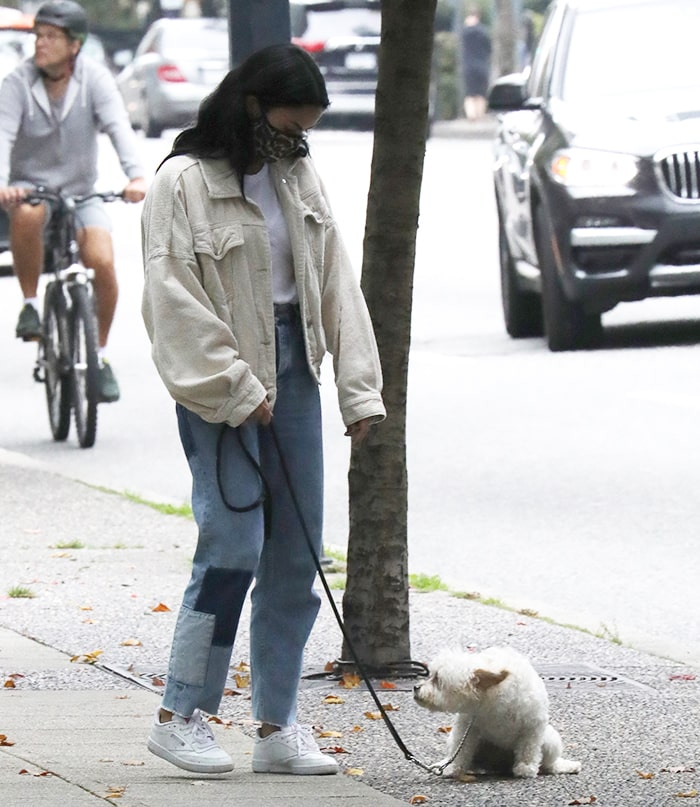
x=323, y=25
x=639, y=59
x=210, y=39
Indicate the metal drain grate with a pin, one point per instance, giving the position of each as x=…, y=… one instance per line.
x=585, y=676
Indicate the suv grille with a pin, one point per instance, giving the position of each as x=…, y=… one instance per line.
x=680, y=173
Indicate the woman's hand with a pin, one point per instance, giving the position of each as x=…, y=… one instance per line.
x=263, y=414
x=357, y=432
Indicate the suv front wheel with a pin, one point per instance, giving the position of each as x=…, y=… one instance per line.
x=522, y=311
x=566, y=324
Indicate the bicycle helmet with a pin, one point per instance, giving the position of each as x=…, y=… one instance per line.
x=65, y=14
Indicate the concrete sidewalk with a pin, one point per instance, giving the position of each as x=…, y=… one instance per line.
x=82, y=747
x=106, y=574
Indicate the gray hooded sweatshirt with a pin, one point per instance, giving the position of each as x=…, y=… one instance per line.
x=38, y=146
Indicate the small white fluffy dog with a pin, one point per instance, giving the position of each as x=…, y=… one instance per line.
x=499, y=693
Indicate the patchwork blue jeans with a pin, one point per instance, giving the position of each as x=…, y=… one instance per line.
x=235, y=548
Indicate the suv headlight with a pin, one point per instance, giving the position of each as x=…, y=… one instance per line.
x=607, y=170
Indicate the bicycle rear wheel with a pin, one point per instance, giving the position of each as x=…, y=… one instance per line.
x=55, y=360
x=84, y=371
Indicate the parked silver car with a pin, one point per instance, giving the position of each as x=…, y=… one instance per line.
x=177, y=64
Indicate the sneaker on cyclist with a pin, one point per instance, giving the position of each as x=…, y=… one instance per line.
x=292, y=749
x=188, y=743
x=28, y=324
x=107, y=383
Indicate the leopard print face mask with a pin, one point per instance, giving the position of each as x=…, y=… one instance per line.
x=271, y=144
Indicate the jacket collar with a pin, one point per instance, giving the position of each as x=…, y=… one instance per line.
x=221, y=181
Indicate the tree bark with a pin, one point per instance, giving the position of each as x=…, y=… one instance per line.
x=505, y=40
x=375, y=604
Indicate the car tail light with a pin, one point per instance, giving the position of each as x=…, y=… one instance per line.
x=170, y=72
x=310, y=46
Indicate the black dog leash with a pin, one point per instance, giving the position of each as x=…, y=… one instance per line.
x=264, y=500
x=436, y=769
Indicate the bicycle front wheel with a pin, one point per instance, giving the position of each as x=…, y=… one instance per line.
x=84, y=369
x=55, y=361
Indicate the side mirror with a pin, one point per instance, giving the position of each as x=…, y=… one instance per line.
x=509, y=93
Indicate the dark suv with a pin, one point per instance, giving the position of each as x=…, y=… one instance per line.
x=343, y=37
x=597, y=166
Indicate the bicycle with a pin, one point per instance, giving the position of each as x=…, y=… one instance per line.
x=67, y=359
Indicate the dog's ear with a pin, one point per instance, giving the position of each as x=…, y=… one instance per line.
x=483, y=680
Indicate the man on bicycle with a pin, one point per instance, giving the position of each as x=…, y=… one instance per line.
x=52, y=107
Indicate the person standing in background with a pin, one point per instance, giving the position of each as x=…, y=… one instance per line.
x=476, y=64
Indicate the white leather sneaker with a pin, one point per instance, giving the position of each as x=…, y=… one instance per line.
x=292, y=749
x=188, y=743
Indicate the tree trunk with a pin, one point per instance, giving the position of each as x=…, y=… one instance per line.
x=375, y=604
x=505, y=39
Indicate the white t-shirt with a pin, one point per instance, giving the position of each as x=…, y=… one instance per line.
x=261, y=190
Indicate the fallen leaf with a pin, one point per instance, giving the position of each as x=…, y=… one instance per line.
x=444, y=729
x=330, y=666
x=682, y=677
x=373, y=715
x=528, y=612
x=157, y=682
x=678, y=769
x=219, y=721
x=229, y=691
x=4, y=741
x=88, y=658
x=387, y=685
x=89, y=621
x=333, y=699
x=330, y=734
x=466, y=778
x=418, y=799
x=134, y=763
x=645, y=775
x=160, y=608
x=389, y=707
x=691, y=794
x=40, y=773
x=9, y=684
x=334, y=749
x=584, y=800
x=115, y=792
x=131, y=643
x=242, y=666
x=350, y=681
x=86, y=607
x=354, y=771
x=242, y=681
x=357, y=729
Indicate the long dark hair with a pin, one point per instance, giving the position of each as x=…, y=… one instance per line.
x=278, y=75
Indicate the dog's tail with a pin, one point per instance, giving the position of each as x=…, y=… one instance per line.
x=552, y=760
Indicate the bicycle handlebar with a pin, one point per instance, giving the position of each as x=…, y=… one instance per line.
x=41, y=193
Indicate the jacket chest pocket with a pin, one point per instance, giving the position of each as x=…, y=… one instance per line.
x=216, y=241
x=219, y=254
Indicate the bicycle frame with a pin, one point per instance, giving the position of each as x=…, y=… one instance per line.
x=67, y=361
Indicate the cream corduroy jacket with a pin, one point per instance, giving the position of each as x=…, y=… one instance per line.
x=207, y=301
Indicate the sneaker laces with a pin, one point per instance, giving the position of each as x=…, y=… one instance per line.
x=200, y=729
x=304, y=739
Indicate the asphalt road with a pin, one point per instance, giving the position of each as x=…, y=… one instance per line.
x=564, y=484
